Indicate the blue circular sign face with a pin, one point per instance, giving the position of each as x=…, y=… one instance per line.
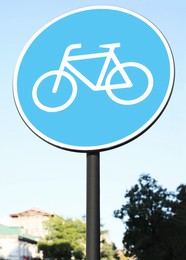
x=94, y=78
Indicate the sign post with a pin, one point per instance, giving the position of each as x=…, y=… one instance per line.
x=91, y=80
x=93, y=206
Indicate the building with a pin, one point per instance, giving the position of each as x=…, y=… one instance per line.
x=16, y=245
x=32, y=221
x=20, y=233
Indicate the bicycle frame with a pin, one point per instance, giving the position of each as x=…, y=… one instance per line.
x=109, y=55
x=108, y=87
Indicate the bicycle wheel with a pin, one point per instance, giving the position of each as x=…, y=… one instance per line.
x=61, y=107
x=129, y=101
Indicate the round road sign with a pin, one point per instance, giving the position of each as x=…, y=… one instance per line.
x=94, y=78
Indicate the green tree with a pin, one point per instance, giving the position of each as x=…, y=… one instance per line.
x=177, y=225
x=65, y=237
x=146, y=213
x=108, y=251
x=56, y=250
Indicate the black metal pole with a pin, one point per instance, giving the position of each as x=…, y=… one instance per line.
x=93, y=206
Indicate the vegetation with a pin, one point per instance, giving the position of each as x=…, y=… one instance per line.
x=155, y=221
x=66, y=240
x=108, y=249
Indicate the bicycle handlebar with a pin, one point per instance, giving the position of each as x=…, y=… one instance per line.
x=71, y=47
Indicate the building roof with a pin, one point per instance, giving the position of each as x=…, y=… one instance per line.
x=9, y=231
x=31, y=212
x=29, y=238
x=16, y=231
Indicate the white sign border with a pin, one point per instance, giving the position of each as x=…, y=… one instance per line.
x=124, y=140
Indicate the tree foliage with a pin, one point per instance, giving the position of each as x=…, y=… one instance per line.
x=69, y=230
x=65, y=238
x=56, y=250
x=155, y=221
x=108, y=251
x=177, y=224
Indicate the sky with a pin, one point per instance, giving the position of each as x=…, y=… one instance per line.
x=34, y=173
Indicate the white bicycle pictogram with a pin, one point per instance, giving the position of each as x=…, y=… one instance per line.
x=108, y=86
